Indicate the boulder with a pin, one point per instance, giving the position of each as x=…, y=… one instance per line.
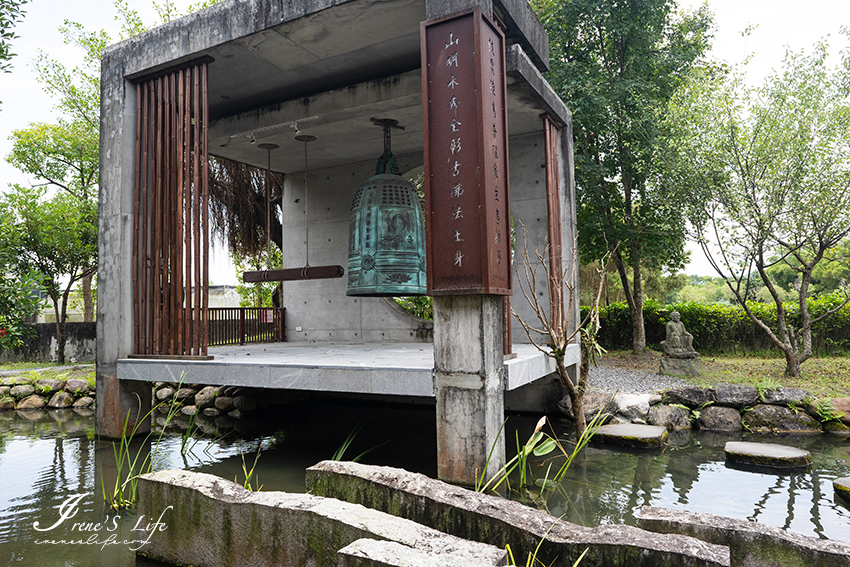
x=61, y=399
x=778, y=419
x=842, y=405
x=32, y=402
x=736, y=395
x=205, y=398
x=185, y=395
x=77, y=386
x=785, y=396
x=716, y=418
x=671, y=417
x=164, y=394
x=836, y=428
x=84, y=402
x=49, y=386
x=211, y=412
x=633, y=407
x=689, y=396
x=4, y=391
x=7, y=403
x=21, y=391
x=189, y=410
x=593, y=402
x=244, y=404
x=224, y=403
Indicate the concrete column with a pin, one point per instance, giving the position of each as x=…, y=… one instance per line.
x=469, y=383
x=116, y=399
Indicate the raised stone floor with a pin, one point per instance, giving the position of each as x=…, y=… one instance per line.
x=402, y=369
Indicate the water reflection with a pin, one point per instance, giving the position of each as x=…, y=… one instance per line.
x=608, y=486
x=47, y=456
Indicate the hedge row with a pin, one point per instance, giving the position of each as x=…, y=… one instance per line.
x=725, y=328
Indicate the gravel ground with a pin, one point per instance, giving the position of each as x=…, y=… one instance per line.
x=18, y=372
x=627, y=381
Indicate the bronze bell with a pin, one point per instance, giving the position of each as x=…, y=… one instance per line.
x=386, y=239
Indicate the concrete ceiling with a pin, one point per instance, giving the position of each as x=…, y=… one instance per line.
x=338, y=46
x=327, y=74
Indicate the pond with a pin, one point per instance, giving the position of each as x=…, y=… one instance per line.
x=48, y=457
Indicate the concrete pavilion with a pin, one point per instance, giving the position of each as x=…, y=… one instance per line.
x=254, y=71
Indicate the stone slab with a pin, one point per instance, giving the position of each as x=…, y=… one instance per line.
x=631, y=435
x=750, y=544
x=402, y=369
x=212, y=521
x=485, y=517
x=374, y=553
x=767, y=455
x=842, y=489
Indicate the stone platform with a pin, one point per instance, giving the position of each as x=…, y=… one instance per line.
x=842, y=489
x=768, y=455
x=396, y=369
x=631, y=435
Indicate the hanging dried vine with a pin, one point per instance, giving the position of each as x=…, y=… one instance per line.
x=237, y=205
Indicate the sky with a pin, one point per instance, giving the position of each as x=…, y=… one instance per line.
x=780, y=24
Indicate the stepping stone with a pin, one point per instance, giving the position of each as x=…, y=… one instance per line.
x=632, y=435
x=842, y=489
x=768, y=455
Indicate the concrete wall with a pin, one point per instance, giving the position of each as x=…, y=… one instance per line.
x=323, y=311
x=210, y=521
x=528, y=208
x=80, y=344
x=483, y=517
x=750, y=544
x=320, y=308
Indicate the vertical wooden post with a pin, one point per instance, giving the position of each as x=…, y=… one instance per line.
x=136, y=214
x=242, y=326
x=553, y=209
x=170, y=216
x=205, y=191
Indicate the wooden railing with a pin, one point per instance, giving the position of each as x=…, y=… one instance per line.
x=243, y=325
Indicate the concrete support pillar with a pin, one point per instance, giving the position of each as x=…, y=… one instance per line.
x=116, y=399
x=469, y=384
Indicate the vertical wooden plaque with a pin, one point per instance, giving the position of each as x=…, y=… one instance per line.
x=466, y=156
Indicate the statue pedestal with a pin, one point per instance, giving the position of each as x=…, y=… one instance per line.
x=681, y=366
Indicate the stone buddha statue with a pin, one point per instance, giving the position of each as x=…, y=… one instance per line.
x=679, y=343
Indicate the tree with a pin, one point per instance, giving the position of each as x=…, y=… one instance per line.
x=554, y=330
x=45, y=245
x=616, y=64
x=18, y=291
x=63, y=155
x=769, y=171
x=66, y=154
x=10, y=15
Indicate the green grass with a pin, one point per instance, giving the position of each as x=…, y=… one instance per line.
x=825, y=376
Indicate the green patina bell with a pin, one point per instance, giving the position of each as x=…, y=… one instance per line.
x=386, y=242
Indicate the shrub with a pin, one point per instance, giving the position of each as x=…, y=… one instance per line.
x=725, y=328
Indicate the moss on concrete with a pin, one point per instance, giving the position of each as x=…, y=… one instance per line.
x=842, y=489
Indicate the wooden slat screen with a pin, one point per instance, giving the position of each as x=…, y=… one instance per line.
x=170, y=225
